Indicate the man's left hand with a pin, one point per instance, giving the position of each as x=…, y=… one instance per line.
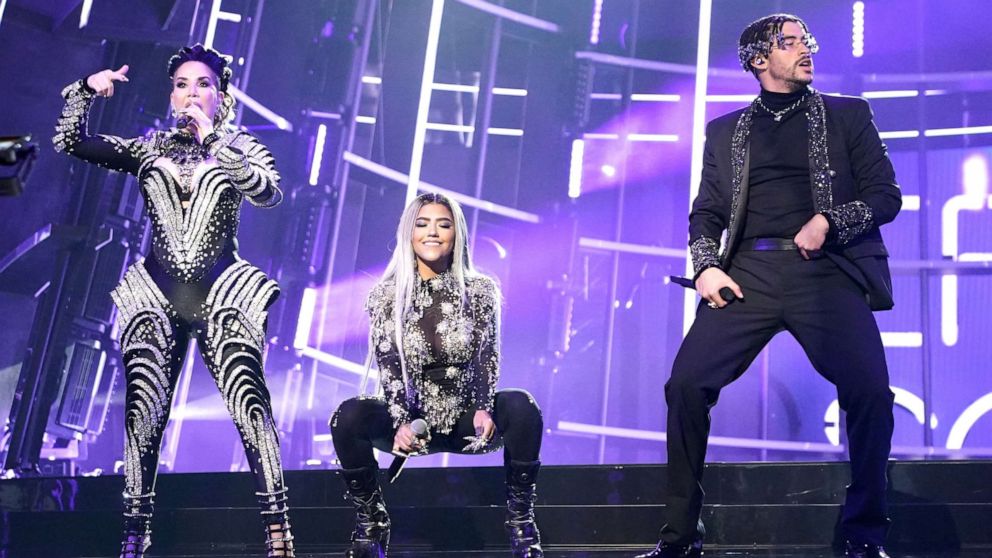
x=812, y=236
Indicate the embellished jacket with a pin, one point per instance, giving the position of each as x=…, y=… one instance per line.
x=194, y=218
x=852, y=183
x=450, y=349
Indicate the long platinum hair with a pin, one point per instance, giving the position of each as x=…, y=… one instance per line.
x=402, y=268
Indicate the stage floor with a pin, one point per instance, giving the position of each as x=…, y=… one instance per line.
x=787, y=510
x=724, y=553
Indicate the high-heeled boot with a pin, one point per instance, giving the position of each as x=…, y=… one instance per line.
x=525, y=539
x=137, y=536
x=371, y=536
x=275, y=518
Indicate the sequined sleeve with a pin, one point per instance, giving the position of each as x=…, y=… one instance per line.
x=72, y=137
x=849, y=221
x=251, y=167
x=382, y=339
x=485, y=298
x=705, y=253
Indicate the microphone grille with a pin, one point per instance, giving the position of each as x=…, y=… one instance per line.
x=419, y=427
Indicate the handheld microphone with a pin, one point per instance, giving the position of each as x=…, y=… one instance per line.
x=728, y=295
x=183, y=121
x=421, y=431
x=725, y=293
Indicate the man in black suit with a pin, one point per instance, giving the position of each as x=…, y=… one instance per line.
x=800, y=182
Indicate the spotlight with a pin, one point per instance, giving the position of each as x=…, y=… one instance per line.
x=575, y=169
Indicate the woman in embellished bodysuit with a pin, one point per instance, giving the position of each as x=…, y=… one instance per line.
x=435, y=334
x=192, y=284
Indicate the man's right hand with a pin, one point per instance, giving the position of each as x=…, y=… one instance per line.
x=709, y=283
x=103, y=82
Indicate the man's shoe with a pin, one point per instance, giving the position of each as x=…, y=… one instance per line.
x=858, y=550
x=669, y=550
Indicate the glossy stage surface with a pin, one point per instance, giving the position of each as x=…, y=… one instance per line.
x=789, y=510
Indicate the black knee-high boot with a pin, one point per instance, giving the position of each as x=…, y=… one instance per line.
x=137, y=524
x=525, y=539
x=371, y=536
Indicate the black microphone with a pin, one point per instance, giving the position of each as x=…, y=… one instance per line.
x=421, y=431
x=183, y=121
x=728, y=295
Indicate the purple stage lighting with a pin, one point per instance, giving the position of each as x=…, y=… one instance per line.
x=858, y=30
x=597, y=17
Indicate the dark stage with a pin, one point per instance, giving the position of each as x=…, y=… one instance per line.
x=766, y=509
x=719, y=553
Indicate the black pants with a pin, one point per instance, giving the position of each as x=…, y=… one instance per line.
x=827, y=313
x=363, y=423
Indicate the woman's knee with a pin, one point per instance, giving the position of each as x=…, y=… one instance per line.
x=347, y=416
x=518, y=403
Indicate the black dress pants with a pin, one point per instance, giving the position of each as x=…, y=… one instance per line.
x=828, y=314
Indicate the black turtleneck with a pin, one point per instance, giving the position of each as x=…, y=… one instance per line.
x=780, y=200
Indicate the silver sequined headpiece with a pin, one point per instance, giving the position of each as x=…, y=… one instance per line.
x=747, y=52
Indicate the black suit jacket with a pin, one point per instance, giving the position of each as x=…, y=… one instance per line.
x=860, y=170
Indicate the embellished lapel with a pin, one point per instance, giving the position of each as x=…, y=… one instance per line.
x=740, y=152
x=819, y=160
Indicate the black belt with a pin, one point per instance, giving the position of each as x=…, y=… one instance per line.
x=767, y=244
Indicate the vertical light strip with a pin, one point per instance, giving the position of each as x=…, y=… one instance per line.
x=698, y=137
x=975, y=174
x=312, y=387
x=575, y=168
x=318, y=154
x=949, y=310
x=858, y=30
x=597, y=18
x=304, y=322
x=84, y=15
x=208, y=41
x=426, y=87
x=3, y=7
x=975, y=186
